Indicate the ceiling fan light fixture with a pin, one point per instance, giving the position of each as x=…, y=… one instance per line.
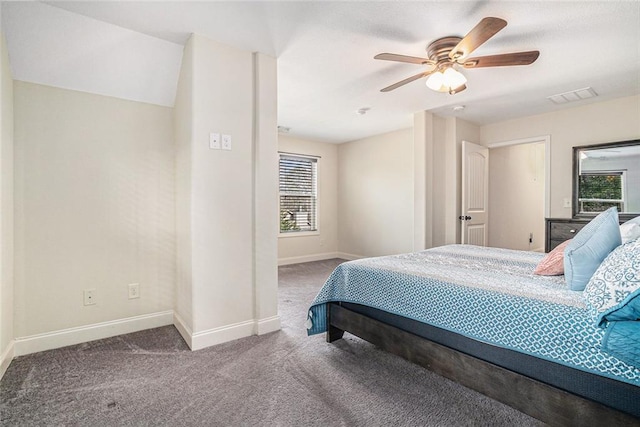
x=453, y=78
x=451, y=81
x=436, y=81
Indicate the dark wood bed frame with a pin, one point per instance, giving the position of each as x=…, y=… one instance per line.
x=534, y=398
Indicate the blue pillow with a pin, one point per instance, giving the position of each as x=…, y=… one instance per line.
x=590, y=247
x=613, y=293
x=622, y=340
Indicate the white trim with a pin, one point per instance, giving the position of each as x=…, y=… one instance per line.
x=299, y=233
x=547, y=163
x=6, y=358
x=81, y=334
x=307, y=258
x=349, y=257
x=200, y=340
x=542, y=138
x=183, y=329
x=315, y=232
x=308, y=156
x=267, y=325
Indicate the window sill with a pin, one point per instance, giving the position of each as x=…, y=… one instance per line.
x=299, y=234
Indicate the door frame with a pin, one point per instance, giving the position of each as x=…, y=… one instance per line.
x=547, y=162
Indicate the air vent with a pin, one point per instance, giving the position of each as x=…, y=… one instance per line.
x=574, y=95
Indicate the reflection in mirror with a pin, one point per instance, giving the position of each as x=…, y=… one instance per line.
x=607, y=175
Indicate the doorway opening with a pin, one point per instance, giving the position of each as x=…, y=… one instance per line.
x=519, y=193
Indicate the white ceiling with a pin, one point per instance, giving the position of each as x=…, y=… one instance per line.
x=325, y=50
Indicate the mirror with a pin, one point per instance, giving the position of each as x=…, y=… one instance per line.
x=606, y=175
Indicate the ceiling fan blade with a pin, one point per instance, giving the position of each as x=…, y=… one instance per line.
x=503, y=60
x=482, y=32
x=405, y=81
x=403, y=58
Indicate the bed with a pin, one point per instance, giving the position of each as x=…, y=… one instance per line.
x=481, y=317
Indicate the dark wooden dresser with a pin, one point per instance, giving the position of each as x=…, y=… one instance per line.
x=561, y=229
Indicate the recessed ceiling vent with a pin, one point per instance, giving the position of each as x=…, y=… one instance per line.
x=574, y=95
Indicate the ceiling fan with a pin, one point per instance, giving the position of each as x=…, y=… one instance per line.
x=447, y=53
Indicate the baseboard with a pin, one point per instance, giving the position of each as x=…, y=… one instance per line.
x=6, y=358
x=307, y=258
x=200, y=340
x=184, y=330
x=265, y=326
x=349, y=257
x=195, y=341
x=71, y=336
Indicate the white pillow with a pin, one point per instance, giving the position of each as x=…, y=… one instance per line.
x=630, y=230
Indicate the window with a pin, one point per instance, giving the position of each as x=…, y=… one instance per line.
x=298, y=193
x=599, y=191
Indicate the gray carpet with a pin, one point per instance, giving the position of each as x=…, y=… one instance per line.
x=280, y=379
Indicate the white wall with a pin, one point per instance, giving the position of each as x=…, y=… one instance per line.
x=183, y=129
x=225, y=238
x=516, y=196
x=608, y=121
x=418, y=203
x=294, y=248
x=375, y=195
x=94, y=196
x=6, y=210
x=437, y=182
x=458, y=130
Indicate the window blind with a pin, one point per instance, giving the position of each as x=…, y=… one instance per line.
x=298, y=194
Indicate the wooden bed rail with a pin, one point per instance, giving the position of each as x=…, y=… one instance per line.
x=532, y=397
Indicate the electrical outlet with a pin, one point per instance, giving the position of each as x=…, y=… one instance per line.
x=226, y=142
x=134, y=290
x=214, y=141
x=89, y=297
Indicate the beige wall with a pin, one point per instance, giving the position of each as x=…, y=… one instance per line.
x=183, y=128
x=94, y=208
x=458, y=130
x=324, y=244
x=375, y=195
x=607, y=121
x=221, y=186
x=516, y=196
x=227, y=230
x=418, y=176
x=6, y=210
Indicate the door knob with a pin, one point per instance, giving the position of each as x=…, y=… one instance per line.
x=464, y=217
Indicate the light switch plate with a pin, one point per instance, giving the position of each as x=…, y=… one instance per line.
x=226, y=142
x=214, y=141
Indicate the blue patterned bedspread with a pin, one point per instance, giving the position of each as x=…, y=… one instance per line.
x=483, y=293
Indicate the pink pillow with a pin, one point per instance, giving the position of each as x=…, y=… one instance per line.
x=553, y=263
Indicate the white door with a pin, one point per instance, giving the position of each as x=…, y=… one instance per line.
x=475, y=194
